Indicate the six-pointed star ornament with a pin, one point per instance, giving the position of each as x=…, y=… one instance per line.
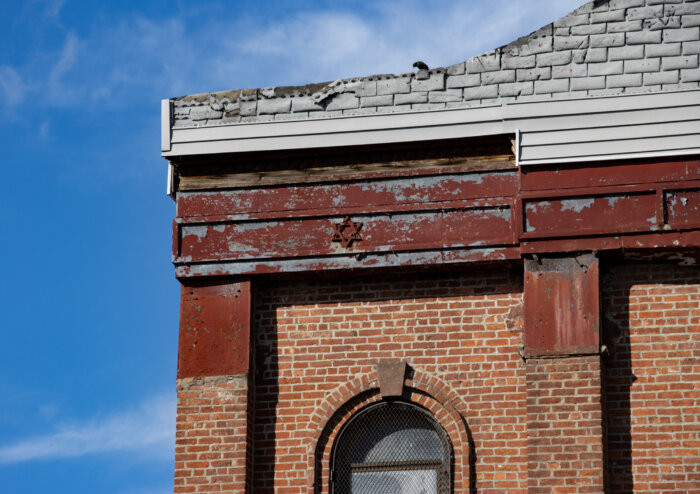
x=346, y=232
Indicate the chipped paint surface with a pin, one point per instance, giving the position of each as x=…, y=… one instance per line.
x=588, y=215
x=331, y=263
x=652, y=222
x=647, y=240
x=380, y=233
x=598, y=176
x=683, y=208
x=576, y=205
x=561, y=298
x=356, y=194
x=199, y=231
x=435, y=219
x=214, y=329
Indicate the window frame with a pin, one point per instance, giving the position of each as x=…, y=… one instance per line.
x=443, y=468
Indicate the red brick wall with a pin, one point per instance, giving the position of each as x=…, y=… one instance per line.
x=652, y=378
x=527, y=426
x=211, y=451
x=565, y=425
x=463, y=328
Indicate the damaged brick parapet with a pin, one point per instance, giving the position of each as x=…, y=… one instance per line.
x=604, y=47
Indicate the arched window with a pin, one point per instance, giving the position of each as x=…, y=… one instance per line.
x=391, y=448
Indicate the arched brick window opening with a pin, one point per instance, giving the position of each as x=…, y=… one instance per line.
x=391, y=447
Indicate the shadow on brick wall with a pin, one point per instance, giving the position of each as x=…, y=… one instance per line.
x=617, y=381
x=651, y=328
x=265, y=402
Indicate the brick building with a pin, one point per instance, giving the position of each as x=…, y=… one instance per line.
x=474, y=279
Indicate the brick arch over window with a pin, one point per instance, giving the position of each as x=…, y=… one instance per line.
x=429, y=392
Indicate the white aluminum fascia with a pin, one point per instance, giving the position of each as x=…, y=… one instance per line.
x=623, y=156
x=170, y=182
x=611, y=128
x=328, y=140
x=341, y=125
x=601, y=133
x=585, y=116
x=337, y=131
x=165, y=125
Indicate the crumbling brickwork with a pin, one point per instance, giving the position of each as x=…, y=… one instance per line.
x=605, y=47
x=652, y=378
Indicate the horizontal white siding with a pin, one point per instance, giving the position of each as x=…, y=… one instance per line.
x=551, y=131
x=663, y=124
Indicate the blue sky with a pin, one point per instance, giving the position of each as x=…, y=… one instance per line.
x=89, y=301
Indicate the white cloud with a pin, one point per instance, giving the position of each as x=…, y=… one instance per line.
x=126, y=60
x=335, y=44
x=44, y=131
x=11, y=86
x=68, y=58
x=149, y=430
x=53, y=8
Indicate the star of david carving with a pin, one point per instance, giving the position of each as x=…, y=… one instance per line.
x=346, y=232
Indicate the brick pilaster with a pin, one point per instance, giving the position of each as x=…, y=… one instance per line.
x=213, y=450
x=564, y=422
x=563, y=375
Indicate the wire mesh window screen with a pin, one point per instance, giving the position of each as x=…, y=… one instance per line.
x=392, y=448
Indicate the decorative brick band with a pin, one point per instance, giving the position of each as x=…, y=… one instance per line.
x=424, y=390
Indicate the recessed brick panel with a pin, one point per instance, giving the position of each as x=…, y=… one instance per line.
x=463, y=328
x=652, y=377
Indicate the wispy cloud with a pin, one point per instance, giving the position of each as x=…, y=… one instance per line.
x=52, y=8
x=148, y=429
x=12, y=88
x=113, y=69
x=45, y=129
x=133, y=58
x=333, y=44
x=67, y=58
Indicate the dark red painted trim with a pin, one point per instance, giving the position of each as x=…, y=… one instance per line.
x=291, y=228
x=215, y=329
x=562, y=306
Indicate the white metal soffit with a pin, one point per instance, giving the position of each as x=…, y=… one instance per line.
x=550, y=131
